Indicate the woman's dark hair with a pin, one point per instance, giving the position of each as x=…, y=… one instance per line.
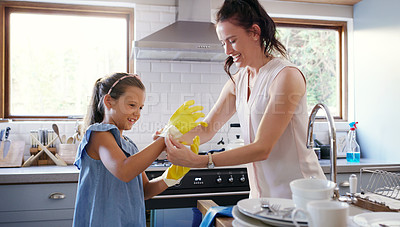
x=114, y=85
x=246, y=13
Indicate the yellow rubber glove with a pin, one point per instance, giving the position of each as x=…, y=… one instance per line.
x=183, y=120
x=174, y=174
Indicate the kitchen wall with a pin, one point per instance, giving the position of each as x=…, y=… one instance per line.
x=169, y=84
x=377, y=77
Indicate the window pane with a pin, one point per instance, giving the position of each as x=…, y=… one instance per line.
x=316, y=52
x=55, y=60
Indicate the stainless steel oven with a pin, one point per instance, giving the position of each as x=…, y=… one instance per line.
x=224, y=185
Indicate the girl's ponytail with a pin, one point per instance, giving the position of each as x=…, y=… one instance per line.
x=95, y=111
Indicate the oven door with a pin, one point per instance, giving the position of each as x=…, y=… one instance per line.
x=176, y=206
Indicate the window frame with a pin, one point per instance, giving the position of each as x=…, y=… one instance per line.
x=8, y=7
x=341, y=28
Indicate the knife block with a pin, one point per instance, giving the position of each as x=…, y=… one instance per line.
x=14, y=156
x=43, y=159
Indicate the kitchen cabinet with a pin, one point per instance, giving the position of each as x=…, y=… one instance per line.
x=37, y=204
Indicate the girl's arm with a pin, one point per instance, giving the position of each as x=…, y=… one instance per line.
x=153, y=187
x=285, y=93
x=103, y=146
x=221, y=112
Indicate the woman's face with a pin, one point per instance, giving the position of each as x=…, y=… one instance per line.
x=126, y=109
x=238, y=43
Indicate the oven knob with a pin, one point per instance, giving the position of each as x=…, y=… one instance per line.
x=219, y=180
x=242, y=179
x=230, y=179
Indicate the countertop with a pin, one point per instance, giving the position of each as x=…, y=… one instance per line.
x=70, y=174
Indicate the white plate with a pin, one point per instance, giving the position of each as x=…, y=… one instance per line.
x=377, y=219
x=243, y=220
x=252, y=208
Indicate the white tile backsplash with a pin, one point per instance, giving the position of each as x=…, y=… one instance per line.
x=201, y=68
x=159, y=66
x=170, y=77
x=180, y=67
x=191, y=78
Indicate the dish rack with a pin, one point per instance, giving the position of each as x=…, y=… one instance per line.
x=382, y=190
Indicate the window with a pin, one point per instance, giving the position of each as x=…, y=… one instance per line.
x=318, y=48
x=54, y=54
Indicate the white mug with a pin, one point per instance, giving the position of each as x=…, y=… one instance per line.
x=324, y=213
x=306, y=190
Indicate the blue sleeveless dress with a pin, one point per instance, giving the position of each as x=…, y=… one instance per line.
x=102, y=199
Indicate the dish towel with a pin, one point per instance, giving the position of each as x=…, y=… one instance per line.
x=213, y=212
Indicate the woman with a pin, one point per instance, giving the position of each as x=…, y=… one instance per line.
x=269, y=95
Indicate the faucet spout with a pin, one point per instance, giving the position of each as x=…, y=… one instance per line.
x=332, y=136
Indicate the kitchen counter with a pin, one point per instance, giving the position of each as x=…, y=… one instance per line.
x=70, y=174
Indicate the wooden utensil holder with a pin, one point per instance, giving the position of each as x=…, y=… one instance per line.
x=43, y=159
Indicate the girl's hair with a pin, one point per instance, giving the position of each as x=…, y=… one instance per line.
x=245, y=13
x=114, y=85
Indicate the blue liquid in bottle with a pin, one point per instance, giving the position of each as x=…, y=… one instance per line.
x=353, y=156
x=352, y=147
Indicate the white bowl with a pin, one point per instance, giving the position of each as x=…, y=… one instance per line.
x=312, y=188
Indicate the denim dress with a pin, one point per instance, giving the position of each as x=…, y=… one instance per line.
x=102, y=199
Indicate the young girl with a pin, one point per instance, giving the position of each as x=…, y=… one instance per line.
x=112, y=182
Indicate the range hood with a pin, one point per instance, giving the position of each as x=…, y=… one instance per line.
x=191, y=38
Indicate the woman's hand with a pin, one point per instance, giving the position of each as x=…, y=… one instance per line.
x=157, y=134
x=179, y=154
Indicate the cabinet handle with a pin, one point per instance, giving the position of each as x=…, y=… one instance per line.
x=57, y=195
x=344, y=184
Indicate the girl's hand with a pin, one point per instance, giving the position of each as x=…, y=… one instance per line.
x=179, y=154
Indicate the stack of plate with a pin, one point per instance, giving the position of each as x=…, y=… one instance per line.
x=248, y=212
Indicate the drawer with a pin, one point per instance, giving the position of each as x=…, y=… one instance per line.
x=42, y=218
x=28, y=197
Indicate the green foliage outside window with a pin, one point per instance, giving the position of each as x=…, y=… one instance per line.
x=315, y=51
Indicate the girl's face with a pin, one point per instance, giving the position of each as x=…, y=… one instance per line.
x=238, y=43
x=125, y=111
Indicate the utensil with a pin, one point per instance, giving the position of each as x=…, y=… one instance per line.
x=7, y=142
x=55, y=128
x=70, y=140
x=275, y=208
x=251, y=208
x=1, y=134
x=63, y=138
x=56, y=158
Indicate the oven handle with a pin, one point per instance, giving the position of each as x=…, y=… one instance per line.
x=200, y=195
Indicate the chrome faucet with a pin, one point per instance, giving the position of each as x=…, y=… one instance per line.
x=332, y=137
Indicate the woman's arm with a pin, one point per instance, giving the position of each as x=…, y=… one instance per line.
x=285, y=94
x=103, y=146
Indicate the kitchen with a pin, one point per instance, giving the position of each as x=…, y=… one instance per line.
x=373, y=22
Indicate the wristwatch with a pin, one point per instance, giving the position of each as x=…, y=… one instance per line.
x=210, y=164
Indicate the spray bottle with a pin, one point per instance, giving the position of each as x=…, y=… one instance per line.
x=352, y=147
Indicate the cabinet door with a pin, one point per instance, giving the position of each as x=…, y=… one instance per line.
x=41, y=203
